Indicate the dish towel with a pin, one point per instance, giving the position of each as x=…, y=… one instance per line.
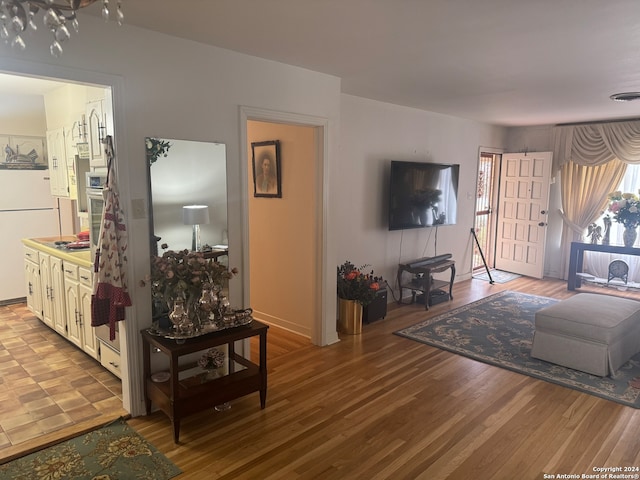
x=110, y=293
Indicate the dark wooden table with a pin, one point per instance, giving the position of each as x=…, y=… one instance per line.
x=424, y=283
x=189, y=390
x=576, y=258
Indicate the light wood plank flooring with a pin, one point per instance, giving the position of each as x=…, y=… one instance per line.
x=378, y=406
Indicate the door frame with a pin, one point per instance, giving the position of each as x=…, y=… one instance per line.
x=495, y=200
x=536, y=269
x=323, y=331
x=130, y=354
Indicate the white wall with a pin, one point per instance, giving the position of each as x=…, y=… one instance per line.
x=372, y=134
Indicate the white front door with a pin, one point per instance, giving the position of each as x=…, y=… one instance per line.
x=522, y=215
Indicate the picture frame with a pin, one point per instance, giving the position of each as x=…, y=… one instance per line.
x=267, y=178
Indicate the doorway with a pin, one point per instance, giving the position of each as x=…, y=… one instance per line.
x=282, y=229
x=33, y=81
x=299, y=257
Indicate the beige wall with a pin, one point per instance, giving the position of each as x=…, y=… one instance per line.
x=282, y=245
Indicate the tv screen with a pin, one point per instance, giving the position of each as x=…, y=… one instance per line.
x=422, y=194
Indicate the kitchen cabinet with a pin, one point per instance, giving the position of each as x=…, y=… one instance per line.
x=77, y=288
x=60, y=286
x=32, y=279
x=57, y=162
x=96, y=131
x=52, y=285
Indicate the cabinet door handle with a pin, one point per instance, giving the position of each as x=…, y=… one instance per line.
x=84, y=277
x=30, y=288
x=114, y=364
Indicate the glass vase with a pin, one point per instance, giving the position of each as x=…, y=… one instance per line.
x=629, y=236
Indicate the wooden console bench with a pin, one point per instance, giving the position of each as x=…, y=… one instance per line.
x=422, y=281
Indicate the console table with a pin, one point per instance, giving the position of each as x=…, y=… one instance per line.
x=422, y=283
x=188, y=389
x=576, y=258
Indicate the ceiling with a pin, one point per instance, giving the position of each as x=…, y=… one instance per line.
x=506, y=62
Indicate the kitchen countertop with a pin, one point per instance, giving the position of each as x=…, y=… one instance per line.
x=47, y=245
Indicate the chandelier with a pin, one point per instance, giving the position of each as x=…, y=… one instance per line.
x=18, y=15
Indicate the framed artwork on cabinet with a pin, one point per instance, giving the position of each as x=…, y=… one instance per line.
x=266, y=169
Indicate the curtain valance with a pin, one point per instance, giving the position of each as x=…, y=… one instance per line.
x=596, y=143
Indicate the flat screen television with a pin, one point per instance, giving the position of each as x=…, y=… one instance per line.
x=422, y=194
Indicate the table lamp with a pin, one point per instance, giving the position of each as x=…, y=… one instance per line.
x=195, y=215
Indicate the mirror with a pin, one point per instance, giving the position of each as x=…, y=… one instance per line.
x=186, y=173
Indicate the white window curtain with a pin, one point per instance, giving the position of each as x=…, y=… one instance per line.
x=591, y=145
x=598, y=143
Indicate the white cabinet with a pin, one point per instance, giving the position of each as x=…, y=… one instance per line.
x=78, y=291
x=72, y=302
x=96, y=131
x=32, y=280
x=57, y=163
x=52, y=278
x=51, y=281
x=110, y=359
x=70, y=150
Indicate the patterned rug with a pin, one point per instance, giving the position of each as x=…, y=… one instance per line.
x=498, y=276
x=112, y=452
x=499, y=330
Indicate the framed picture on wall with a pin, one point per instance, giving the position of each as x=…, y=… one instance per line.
x=266, y=169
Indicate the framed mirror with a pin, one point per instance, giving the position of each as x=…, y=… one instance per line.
x=184, y=173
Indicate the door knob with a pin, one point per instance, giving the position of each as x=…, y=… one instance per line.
x=542, y=224
x=543, y=212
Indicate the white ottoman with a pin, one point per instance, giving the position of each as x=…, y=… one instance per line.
x=589, y=332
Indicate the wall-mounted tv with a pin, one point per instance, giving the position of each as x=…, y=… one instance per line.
x=422, y=194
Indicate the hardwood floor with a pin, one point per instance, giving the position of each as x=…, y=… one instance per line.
x=378, y=406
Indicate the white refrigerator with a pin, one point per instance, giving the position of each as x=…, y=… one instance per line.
x=27, y=210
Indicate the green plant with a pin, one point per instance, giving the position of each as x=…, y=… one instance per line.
x=155, y=148
x=358, y=286
x=625, y=208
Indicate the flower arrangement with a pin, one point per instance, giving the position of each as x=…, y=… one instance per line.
x=156, y=148
x=211, y=359
x=625, y=208
x=358, y=286
x=184, y=274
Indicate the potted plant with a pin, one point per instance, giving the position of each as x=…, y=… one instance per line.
x=182, y=276
x=355, y=290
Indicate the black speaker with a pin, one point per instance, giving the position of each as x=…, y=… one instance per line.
x=377, y=309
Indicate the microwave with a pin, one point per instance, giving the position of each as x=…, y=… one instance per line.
x=96, y=180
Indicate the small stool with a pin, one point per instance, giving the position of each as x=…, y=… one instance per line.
x=589, y=332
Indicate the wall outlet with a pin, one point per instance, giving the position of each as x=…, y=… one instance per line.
x=138, y=208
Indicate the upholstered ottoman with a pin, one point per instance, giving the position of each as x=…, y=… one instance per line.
x=589, y=332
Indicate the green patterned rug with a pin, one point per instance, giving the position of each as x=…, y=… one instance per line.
x=499, y=330
x=113, y=452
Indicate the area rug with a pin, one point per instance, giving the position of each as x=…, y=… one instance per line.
x=498, y=276
x=112, y=452
x=498, y=330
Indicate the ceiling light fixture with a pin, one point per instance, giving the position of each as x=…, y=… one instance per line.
x=18, y=15
x=625, y=97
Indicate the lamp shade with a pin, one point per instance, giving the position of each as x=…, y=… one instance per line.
x=195, y=214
